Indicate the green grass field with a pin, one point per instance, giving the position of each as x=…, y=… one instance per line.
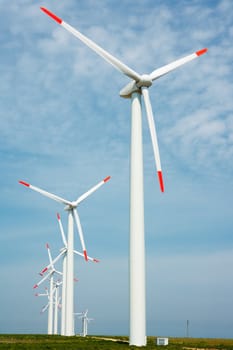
x=42, y=342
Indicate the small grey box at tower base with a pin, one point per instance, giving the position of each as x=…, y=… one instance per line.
x=162, y=341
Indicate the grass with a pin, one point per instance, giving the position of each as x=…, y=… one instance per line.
x=45, y=342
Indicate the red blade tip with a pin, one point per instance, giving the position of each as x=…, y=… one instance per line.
x=85, y=255
x=96, y=260
x=52, y=15
x=107, y=178
x=58, y=216
x=35, y=286
x=201, y=52
x=160, y=175
x=43, y=271
x=24, y=183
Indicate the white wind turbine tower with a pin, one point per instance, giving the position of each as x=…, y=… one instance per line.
x=64, y=265
x=64, y=253
x=51, y=290
x=85, y=321
x=137, y=87
x=71, y=208
x=57, y=299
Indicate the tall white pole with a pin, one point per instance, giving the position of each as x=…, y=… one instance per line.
x=63, y=304
x=69, y=329
x=137, y=240
x=56, y=296
x=50, y=311
x=85, y=326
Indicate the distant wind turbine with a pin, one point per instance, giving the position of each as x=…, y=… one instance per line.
x=57, y=304
x=85, y=321
x=138, y=86
x=64, y=253
x=49, y=276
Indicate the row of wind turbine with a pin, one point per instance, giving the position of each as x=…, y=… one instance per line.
x=47, y=269
x=52, y=294
x=137, y=87
x=67, y=252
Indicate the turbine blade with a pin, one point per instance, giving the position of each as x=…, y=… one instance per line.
x=49, y=254
x=52, y=15
x=88, y=257
x=43, y=279
x=153, y=135
x=99, y=50
x=61, y=230
x=41, y=295
x=44, y=308
x=157, y=73
x=80, y=232
x=45, y=193
x=93, y=189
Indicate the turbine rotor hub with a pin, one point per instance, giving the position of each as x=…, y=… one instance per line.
x=145, y=81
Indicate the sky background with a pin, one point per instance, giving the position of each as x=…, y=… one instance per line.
x=63, y=127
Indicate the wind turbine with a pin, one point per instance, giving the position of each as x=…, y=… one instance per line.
x=56, y=305
x=57, y=299
x=64, y=265
x=138, y=86
x=51, y=289
x=71, y=208
x=64, y=253
x=85, y=321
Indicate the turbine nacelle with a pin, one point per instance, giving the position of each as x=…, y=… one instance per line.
x=128, y=89
x=135, y=86
x=71, y=206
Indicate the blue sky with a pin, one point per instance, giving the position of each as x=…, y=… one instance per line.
x=63, y=127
